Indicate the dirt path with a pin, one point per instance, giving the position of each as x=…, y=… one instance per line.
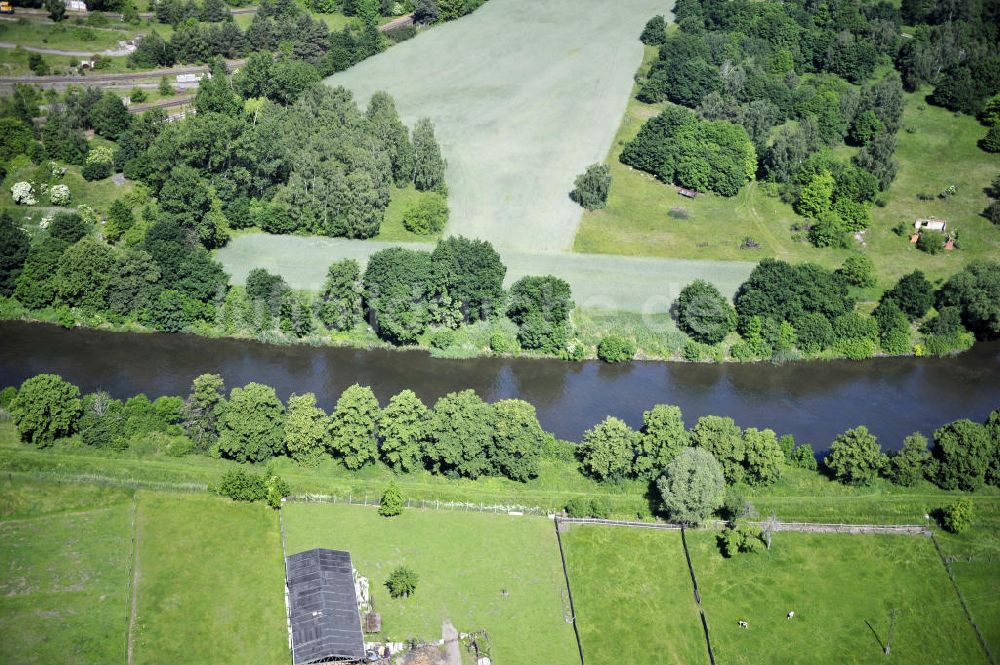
x=74, y=54
x=451, y=649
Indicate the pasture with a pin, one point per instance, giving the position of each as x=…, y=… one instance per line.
x=464, y=561
x=524, y=95
x=842, y=589
x=633, y=596
x=64, y=568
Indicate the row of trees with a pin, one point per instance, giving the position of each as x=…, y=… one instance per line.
x=463, y=436
x=783, y=306
x=796, y=78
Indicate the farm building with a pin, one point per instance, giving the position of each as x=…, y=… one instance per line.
x=323, y=618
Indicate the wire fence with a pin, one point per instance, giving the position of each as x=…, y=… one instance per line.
x=130, y=589
x=372, y=501
x=965, y=606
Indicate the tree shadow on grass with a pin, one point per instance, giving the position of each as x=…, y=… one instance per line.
x=878, y=639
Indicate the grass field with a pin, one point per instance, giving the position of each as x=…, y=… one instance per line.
x=935, y=149
x=464, y=561
x=210, y=582
x=63, y=36
x=842, y=589
x=633, y=597
x=63, y=573
x=98, y=194
x=524, y=95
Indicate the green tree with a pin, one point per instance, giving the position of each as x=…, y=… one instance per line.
x=295, y=314
x=704, y=314
x=305, y=430
x=976, y=292
x=608, y=450
x=866, y=127
x=394, y=135
x=109, y=117
x=655, y=32
x=692, y=487
x=591, y=187
x=402, y=427
x=46, y=407
x=16, y=138
x=217, y=95
x=85, y=274
x=460, y=434
x=724, y=439
x=858, y=270
x=14, y=247
x=855, y=457
x=913, y=293
x=740, y=537
x=402, y=582
x=472, y=273
x=817, y=196
x=661, y=439
x=102, y=423
x=203, y=408
x=764, y=457
x=398, y=286
x=428, y=166
x=963, y=450
x=909, y=465
x=352, y=427
x=392, y=502
x=35, y=286
x=251, y=428
x=540, y=306
x=120, y=220
x=957, y=517
x=991, y=142
x=56, y=9
x=339, y=303
x=805, y=457
x=893, y=327
x=516, y=449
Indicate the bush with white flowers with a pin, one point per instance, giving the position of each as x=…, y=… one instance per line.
x=23, y=193
x=59, y=195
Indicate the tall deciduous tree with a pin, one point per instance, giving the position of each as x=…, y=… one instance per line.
x=964, y=451
x=856, y=457
x=305, y=430
x=764, y=457
x=46, y=407
x=252, y=426
x=460, y=433
x=704, y=314
x=472, y=273
x=608, y=450
x=352, y=427
x=517, y=440
x=402, y=427
x=339, y=303
x=692, y=487
x=428, y=167
x=909, y=465
x=723, y=438
x=394, y=135
x=662, y=438
x=14, y=247
x=203, y=408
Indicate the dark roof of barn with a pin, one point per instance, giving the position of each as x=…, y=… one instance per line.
x=323, y=607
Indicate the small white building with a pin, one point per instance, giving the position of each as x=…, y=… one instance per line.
x=76, y=6
x=931, y=224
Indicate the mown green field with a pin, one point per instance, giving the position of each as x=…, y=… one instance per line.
x=935, y=149
x=842, y=589
x=64, y=569
x=210, y=582
x=464, y=561
x=633, y=596
x=63, y=36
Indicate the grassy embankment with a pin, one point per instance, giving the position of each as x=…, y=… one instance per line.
x=935, y=149
x=464, y=561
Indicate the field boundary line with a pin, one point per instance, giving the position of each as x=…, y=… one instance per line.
x=697, y=596
x=98, y=479
x=133, y=581
x=569, y=589
x=965, y=606
x=72, y=513
x=805, y=527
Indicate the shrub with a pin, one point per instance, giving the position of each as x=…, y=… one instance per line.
x=856, y=348
x=592, y=186
x=137, y=95
x=581, y=506
x=23, y=194
x=241, y=485
x=958, y=516
x=655, y=32
x=402, y=582
x=59, y=195
x=931, y=242
x=502, y=344
x=277, y=489
x=615, y=349
x=856, y=457
x=741, y=537
x=427, y=215
x=858, y=270
x=391, y=503
x=991, y=142
x=99, y=163
x=443, y=339
x=704, y=313
x=46, y=407
x=805, y=457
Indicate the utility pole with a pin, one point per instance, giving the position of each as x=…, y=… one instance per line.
x=892, y=624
